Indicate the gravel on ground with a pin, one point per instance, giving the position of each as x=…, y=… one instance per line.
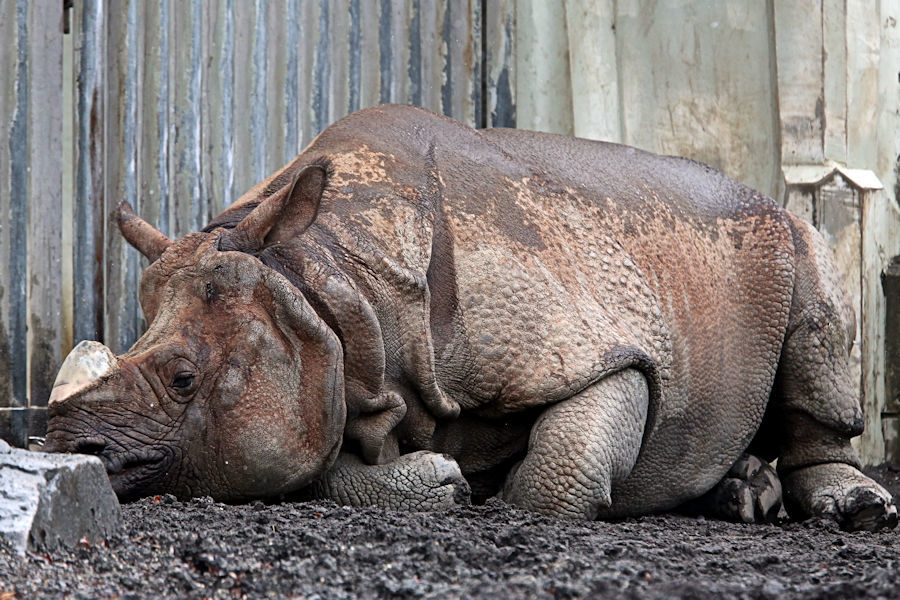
x=203, y=549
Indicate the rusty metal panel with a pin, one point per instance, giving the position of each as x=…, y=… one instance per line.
x=217, y=106
x=182, y=107
x=153, y=188
x=500, y=69
x=461, y=40
x=44, y=211
x=244, y=20
x=12, y=225
x=88, y=236
x=336, y=17
x=185, y=72
x=30, y=210
x=123, y=321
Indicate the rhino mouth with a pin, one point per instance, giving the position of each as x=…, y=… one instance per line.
x=134, y=474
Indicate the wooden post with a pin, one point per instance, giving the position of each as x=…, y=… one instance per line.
x=836, y=201
x=890, y=416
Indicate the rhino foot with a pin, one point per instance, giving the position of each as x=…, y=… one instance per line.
x=749, y=493
x=419, y=481
x=841, y=492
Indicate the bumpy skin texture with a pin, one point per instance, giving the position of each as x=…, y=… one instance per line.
x=488, y=285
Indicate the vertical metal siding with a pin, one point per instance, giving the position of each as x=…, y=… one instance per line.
x=44, y=196
x=180, y=107
x=30, y=209
x=8, y=67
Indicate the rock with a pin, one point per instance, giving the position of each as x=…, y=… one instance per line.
x=48, y=501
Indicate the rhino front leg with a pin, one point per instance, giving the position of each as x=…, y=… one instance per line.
x=419, y=481
x=581, y=447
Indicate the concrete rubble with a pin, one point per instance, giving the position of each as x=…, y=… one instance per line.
x=48, y=501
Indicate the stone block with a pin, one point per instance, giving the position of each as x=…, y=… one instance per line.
x=49, y=501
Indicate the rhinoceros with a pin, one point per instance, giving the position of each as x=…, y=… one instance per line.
x=413, y=311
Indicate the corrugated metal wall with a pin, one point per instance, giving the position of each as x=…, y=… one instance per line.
x=179, y=107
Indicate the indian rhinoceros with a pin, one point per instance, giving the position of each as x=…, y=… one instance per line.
x=585, y=328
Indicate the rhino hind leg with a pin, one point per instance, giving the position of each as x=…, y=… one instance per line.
x=580, y=447
x=749, y=493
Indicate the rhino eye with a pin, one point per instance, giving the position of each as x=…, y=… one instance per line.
x=182, y=380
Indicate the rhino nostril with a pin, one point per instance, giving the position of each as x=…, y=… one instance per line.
x=90, y=446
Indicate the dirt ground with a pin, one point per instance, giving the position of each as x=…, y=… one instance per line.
x=202, y=549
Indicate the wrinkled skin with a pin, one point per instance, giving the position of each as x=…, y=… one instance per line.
x=587, y=329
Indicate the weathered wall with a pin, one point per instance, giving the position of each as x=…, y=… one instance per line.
x=765, y=91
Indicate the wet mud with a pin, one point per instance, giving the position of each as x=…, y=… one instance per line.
x=202, y=549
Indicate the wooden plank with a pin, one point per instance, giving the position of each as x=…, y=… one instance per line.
x=338, y=58
x=592, y=56
x=153, y=96
x=891, y=428
x=275, y=98
x=369, y=54
x=217, y=105
x=834, y=71
x=799, y=57
x=891, y=290
x=321, y=68
x=682, y=94
x=12, y=371
x=462, y=60
x=244, y=171
x=259, y=101
x=188, y=200
x=354, y=55
x=67, y=164
x=500, y=57
x=123, y=321
x=870, y=321
x=290, y=128
x=89, y=201
x=309, y=39
x=431, y=54
x=864, y=59
x=44, y=198
x=397, y=50
x=543, y=85
x=18, y=133
x=413, y=39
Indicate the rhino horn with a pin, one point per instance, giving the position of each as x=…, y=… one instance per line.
x=283, y=215
x=86, y=363
x=139, y=233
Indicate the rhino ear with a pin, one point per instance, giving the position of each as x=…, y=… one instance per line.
x=285, y=214
x=139, y=233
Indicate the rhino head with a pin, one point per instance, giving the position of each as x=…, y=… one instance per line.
x=236, y=388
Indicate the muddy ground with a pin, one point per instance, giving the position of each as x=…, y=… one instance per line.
x=202, y=549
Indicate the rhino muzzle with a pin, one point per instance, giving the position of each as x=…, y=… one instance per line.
x=85, y=364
